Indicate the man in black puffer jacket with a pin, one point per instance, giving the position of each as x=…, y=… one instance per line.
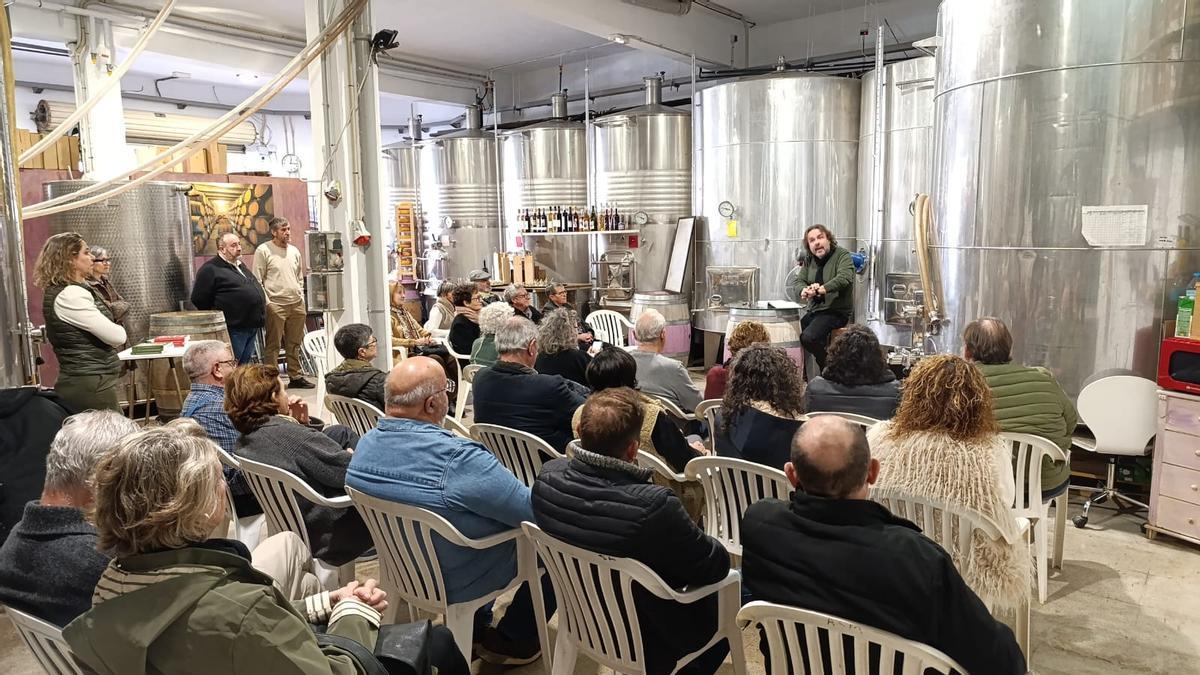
x=601, y=501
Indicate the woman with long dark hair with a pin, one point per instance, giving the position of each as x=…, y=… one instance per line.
x=762, y=407
x=856, y=379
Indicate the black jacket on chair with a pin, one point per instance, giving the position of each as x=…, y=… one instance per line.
x=513, y=396
x=610, y=507
x=755, y=436
x=853, y=559
x=29, y=419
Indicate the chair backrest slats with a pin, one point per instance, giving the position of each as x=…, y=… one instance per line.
x=861, y=420
x=46, y=642
x=358, y=415
x=519, y=452
x=1028, y=452
x=611, y=327
x=730, y=487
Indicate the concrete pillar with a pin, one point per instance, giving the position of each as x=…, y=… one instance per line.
x=103, y=151
x=344, y=95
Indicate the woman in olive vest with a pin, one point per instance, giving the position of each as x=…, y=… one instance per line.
x=79, y=325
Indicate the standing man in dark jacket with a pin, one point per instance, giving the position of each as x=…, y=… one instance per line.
x=834, y=551
x=512, y=394
x=827, y=282
x=224, y=283
x=357, y=377
x=602, y=501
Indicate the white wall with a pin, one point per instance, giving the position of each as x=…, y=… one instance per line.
x=839, y=31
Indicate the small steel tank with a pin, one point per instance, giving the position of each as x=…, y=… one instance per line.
x=460, y=200
x=544, y=165
x=643, y=168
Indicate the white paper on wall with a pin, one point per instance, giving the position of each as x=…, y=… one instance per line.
x=1124, y=225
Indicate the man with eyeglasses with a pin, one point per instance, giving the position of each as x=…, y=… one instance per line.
x=558, y=300
x=225, y=284
x=208, y=363
x=357, y=377
x=410, y=459
x=518, y=296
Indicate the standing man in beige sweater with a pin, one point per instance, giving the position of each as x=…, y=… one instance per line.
x=277, y=266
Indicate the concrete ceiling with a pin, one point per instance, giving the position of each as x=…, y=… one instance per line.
x=772, y=11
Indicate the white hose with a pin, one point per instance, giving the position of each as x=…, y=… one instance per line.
x=113, y=81
x=196, y=143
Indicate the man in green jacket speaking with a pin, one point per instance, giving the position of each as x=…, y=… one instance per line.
x=826, y=281
x=1026, y=400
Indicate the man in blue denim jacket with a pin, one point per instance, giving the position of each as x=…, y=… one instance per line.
x=409, y=458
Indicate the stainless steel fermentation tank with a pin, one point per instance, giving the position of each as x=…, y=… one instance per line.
x=400, y=163
x=775, y=154
x=460, y=200
x=1044, y=109
x=892, y=286
x=643, y=168
x=544, y=165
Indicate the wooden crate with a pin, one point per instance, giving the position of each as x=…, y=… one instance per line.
x=62, y=156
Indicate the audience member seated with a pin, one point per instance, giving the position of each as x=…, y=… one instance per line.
x=762, y=406
x=661, y=376
x=1025, y=400
x=855, y=379
x=356, y=376
x=464, y=329
x=944, y=444
x=743, y=335
x=441, y=314
x=409, y=458
x=834, y=551
x=54, y=537
x=614, y=367
x=491, y=318
x=558, y=347
x=275, y=431
x=556, y=298
x=518, y=297
x=158, y=493
x=602, y=501
x=29, y=418
x=207, y=364
x=514, y=395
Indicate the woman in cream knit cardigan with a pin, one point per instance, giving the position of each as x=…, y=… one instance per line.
x=944, y=444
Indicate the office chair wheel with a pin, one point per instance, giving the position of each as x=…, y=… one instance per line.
x=1080, y=521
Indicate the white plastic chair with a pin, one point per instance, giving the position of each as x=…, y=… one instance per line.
x=672, y=408
x=408, y=562
x=247, y=530
x=312, y=352
x=46, y=642
x=707, y=410
x=592, y=620
x=1028, y=451
x=276, y=490
x=456, y=425
x=953, y=528
x=1122, y=412
x=730, y=486
x=520, y=452
x=861, y=420
x=354, y=413
x=787, y=628
x=463, y=386
x=611, y=327
x=648, y=460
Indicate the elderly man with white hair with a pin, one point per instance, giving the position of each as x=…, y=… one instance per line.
x=522, y=303
x=658, y=375
x=224, y=283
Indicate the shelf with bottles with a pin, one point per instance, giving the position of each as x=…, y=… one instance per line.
x=571, y=220
x=576, y=234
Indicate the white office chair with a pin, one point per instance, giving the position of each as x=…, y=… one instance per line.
x=520, y=452
x=730, y=486
x=1122, y=412
x=861, y=420
x=277, y=490
x=786, y=628
x=354, y=413
x=46, y=642
x=454, y=424
x=408, y=561
x=597, y=613
x=1027, y=452
x=954, y=528
x=247, y=530
x=611, y=327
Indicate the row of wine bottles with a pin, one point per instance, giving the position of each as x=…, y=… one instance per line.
x=571, y=219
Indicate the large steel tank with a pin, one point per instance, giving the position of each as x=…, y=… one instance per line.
x=1044, y=110
x=147, y=232
x=905, y=169
x=776, y=153
x=400, y=164
x=544, y=165
x=643, y=169
x=460, y=200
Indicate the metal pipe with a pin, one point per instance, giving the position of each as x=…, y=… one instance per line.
x=414, y=128
x=717, y=8
x=496, y=163
x=653, y=90
x=877, y=198
x=13, y=293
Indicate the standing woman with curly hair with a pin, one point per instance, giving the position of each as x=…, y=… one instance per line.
x=79, y=325
x=743, y=335
x=762, y=407
x=558, y=347
x=856, y=379
x=944, y=444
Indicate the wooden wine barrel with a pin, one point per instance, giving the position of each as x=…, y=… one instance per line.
x=674, y=308
x=201, y=325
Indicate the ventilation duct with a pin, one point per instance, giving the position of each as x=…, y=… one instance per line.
x=146, y=127
x=677, y=7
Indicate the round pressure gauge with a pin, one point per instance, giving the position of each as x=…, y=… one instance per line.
x=641, y=218
x=725, y=209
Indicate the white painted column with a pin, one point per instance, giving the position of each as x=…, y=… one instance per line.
x=103, y=151
x=344, y=95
